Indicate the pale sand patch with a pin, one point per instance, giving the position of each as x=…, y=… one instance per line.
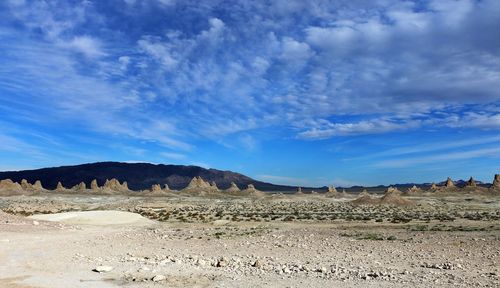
x=103, y=217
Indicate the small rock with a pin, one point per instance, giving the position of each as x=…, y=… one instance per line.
x=36, y=223
x=158, y=278
x=103, y=269
x=221, y=263
x=257, y=264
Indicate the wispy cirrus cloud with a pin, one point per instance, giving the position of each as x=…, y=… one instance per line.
x=322, y=128
x=168, y=75
x=406, y=162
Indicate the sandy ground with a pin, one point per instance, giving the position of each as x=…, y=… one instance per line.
x=94, y=218
x=225, y=253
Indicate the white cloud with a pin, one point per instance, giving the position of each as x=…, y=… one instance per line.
x=124, y=61
x=437, y=159
x=283, y=180
x=172, y=155
x=326, y=129
x=86, y=45
x=294, y=52
x=320, y=129
x=158, y=51
x=220, y=76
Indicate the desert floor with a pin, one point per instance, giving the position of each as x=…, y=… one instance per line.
x=279, y=241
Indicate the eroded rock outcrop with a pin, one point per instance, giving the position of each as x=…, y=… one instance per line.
x=8, y=187
x=197, y=183
x=332, y=192
x=449, y=183
x=156, y=188
x=80, y=187
x=392, y=196
x=433, y=187
x=93, y=185
x=414, y=190
x=199, y=186
x=214, y=185
x=364, y=198
x=233, y=188
x=60, y=187
x=38, y=185
x=391, y=189
x=471, y=183
x=332, y=189
x=496, y=182
x=114, y=185
x=252, y=191
x=25, y=185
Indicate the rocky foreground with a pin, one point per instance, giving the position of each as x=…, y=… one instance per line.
x=273, y=241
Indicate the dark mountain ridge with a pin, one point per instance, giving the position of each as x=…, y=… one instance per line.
x=139, y=176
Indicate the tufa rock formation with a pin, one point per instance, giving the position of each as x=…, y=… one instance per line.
x=496, y=182
x=449, y=183
x=80, y=187
x=25, y=185
x=392, y=196
x=9, y=184
x=198, y=185
x=156, y=188
x=60, y=187
x=413, y=190
x=332, y=192
x=434, y=187
x=9, y=187
x=364, y=199
x=252, y=191
x=38, y=185
x=233, y=188
x=115, y=185
x=166, y=188
x=471, y=182
x=214, y=185
x=93, y=185
x=391, y=189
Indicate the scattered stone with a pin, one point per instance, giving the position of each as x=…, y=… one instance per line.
x=158, y=278
x=103, y=269
x=257, y=264
x=221, y=262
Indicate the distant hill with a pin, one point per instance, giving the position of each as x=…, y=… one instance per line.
x=139, y=176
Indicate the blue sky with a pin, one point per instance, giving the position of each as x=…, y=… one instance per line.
x=293, y=92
